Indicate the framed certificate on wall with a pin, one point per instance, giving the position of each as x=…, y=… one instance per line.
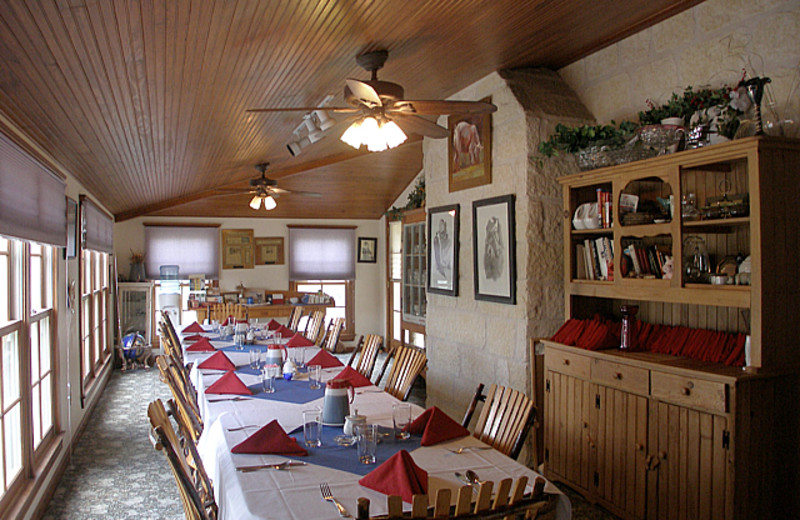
x=269, y=251
x=237, y=248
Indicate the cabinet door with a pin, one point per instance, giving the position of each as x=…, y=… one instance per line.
x=569, y=416
x=689, y=451
x=622, y=422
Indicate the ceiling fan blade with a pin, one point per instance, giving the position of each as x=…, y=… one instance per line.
x=362, y=92
x=343, y=110
x=411, y=124
x=441, y=107
x=301, y=193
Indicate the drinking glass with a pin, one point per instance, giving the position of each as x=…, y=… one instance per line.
x=215, y=326
x=268, y=378
x=255, y=358
x=312, y=427
x=314, y=376
x=238, y=340
x=367, y=435
x=401, y=416
x=298, y=356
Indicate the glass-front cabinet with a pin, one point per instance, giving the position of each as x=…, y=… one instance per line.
x=414, y=270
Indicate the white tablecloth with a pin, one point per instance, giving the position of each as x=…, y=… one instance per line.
x=294, y=493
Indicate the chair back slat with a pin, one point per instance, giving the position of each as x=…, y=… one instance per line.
x=408, y=364
x=505, y=419
x=367, y=351
x=294, y=318
x=188, y=408
x=222, y=311
x=313, y=326
x=331, y=341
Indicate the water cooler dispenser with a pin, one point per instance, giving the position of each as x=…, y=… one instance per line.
x=169, y=296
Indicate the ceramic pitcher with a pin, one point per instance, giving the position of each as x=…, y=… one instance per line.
x=276, y=355
x=339, y=393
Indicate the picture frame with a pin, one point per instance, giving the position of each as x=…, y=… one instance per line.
x=230, y=297
x=469, y=150
x=237, y=248
x=367, y=250
x=494, y=249
x=269, y=251
x=443, y=245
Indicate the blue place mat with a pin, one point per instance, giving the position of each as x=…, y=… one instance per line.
x=233, y=348
x=296, y=392
x=345, y=458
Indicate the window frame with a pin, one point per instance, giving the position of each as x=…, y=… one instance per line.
x=95, y=347
x=349, y=330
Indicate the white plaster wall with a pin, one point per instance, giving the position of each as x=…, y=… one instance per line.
x=370, y=291
x=709, y=44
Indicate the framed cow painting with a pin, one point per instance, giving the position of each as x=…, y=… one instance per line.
x=469, y=150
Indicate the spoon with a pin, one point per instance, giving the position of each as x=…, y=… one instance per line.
x=242, y=428
x=473, y=477
x=467, y=481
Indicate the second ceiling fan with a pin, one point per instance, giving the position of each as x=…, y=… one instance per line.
x=379, y=116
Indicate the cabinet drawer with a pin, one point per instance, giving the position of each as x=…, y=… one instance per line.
x=624, y=377
x=567, y=363
x=689, y=391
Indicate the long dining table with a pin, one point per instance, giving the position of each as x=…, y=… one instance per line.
x=294, y=493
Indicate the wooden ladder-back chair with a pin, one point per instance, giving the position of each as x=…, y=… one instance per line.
x=510, y=502
x=185, y=403
x=174, y=353
x=222, y=311
x=408, y=363
x=294, y=318
x=198, y=500
x=331, y=341
x=171, y=346
x=367, y=350
x=314, y=326
x=505, y=419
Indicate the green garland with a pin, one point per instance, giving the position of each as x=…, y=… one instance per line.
x=416, y=199
x=572, y=140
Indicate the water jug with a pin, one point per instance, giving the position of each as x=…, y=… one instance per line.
x=275, y=355
x=339, y=393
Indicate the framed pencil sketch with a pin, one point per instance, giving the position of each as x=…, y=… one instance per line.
x=269, y=250
x=443, y=229
x=494, y=249
x=469, y=150
x=237, y=248
x=367, y=250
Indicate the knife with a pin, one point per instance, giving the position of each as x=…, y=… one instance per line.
x=279, y=465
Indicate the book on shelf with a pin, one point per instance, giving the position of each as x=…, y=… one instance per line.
x=644, y=261
x=594, y=259
x=604, y=208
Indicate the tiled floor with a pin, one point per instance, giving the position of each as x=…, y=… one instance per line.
x=115, y=472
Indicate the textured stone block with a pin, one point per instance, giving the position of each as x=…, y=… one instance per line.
x=602, y=63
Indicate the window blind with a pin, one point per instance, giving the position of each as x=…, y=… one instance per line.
x=194, y=249
x=33, y=203
x=322, y=254
x=97, y=227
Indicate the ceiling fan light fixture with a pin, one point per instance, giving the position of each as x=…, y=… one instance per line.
x=255, y=202
x=269, y=203
x=377, y=136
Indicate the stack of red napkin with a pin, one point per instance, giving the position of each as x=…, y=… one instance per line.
x=435, y=427
x=273, y=325
x=218, y=361
x=298, y=340
x=270, y=439
x=398, y=476
x=229, y=384
x=324, y=359
x=203, y=345
x=194, y=327
x=356, y=379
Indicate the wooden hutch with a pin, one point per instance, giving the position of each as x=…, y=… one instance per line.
x=649, y=435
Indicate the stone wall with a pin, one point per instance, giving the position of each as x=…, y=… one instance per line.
x=471, y=341
x=709, y=44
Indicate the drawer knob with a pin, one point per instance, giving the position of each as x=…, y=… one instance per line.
x=639, y=446
x=566, y=362
x=618, y=375
x=686, y=390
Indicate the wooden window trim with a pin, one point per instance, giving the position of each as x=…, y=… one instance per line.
x=349, y=331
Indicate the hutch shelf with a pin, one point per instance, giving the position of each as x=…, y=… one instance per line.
x=650, y=435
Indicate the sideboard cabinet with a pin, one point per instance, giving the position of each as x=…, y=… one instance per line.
x=650, y=435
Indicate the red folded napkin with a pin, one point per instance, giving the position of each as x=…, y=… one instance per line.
x=298, y=340
x=273, y=325
x=229, y=384
x=193, y=337
x=270, y=439
x=356, y=379
x=285, y=331
x=194, y=327
x=324, y=359
x=435, y=427
x=203, y=345
x=398, y=476
x=218, y=361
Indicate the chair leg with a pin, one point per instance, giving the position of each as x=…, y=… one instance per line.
x=471, y=410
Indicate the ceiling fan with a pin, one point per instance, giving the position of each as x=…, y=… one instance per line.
x=266, y=190
x=379, y=116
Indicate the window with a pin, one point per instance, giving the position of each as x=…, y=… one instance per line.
x=322, y=253
x=26, y=338
x=343, y=294
x=194, y=249
x=95, y=347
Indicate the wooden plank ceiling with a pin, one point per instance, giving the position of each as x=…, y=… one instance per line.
x=144, y=101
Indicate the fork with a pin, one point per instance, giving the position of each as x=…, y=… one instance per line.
x=462, y=449
x=325, y=489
